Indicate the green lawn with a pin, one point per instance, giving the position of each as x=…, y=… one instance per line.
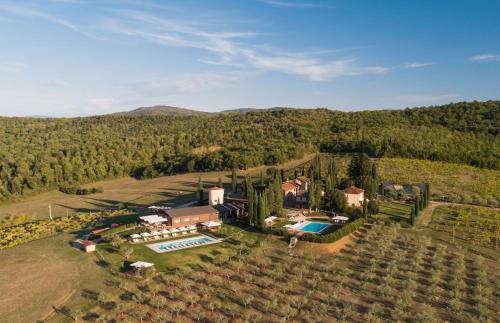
x=395, y=211
x=196, y=257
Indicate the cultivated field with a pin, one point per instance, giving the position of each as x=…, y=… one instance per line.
x=389, y=274
x=452, y=182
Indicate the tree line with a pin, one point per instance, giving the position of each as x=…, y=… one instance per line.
x=44, y=154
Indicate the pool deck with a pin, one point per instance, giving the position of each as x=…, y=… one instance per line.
x=188, y=245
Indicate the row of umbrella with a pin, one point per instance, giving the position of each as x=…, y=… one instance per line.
x=162, y=232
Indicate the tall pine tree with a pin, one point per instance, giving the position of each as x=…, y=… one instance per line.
x=200, y=191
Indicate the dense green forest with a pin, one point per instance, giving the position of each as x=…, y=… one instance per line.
x=41, y=154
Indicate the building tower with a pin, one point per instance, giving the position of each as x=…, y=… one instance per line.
x=215, y=195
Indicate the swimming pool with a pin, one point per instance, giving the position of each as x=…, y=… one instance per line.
x=313, y=227
x=180, y=244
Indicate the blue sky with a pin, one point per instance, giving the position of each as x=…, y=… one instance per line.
x=85, y=57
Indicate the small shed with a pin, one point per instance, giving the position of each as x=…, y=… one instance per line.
x=88, y=246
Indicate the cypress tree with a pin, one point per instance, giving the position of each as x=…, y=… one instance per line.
x=365, y=208
x=412, y=216
x=271, y=206
x=428, y=192
x=262, y=178
x=219, y=184
x=279, y=196
x=282, y=172
x=200, y=191
x=251, y=205
x=234, y=180
x=262, y=211
x=416, y=206
x=317, y=198
x=421, y=202
x=255, y=208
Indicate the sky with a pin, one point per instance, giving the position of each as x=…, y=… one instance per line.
x=87, y=57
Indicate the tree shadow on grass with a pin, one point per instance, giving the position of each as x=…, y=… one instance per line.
x=90, y=294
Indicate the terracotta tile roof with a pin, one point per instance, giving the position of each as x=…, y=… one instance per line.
x=288, y=186
x=189, y=211
x=303, y=179
x=87, y=243
x=215, y=188
x=353, y=190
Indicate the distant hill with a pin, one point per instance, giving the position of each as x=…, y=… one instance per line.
x=160, y=110
x=246, y=110
x=165, y=110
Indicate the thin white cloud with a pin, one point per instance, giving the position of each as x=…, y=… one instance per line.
x=55, y=83
x=34, y=12
x=12, y=67
x=232, y=48
x=485, y=58
x=292, y=4
x=415, y=65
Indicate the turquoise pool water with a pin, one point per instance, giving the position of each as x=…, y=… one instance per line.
x=182, y=244
x=314, y=227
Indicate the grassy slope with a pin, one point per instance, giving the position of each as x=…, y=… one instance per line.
x=461, y=183
x=194, y=257
x=43, y=274
x=445, y=178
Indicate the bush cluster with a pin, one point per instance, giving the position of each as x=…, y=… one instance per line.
x=18, y=234
x=80, y=191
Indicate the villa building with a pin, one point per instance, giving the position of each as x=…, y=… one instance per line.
x=191, y=215
x=302, y=182
x=355, y=196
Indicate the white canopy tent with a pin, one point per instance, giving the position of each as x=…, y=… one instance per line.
x=211, y=224
x=141, y=264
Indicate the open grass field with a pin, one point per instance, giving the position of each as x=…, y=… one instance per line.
x=39, y=276
x=165, y=190
x=395, y=211
x=194, y=258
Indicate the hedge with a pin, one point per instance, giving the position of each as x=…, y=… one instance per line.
x=335, y=235
x=118, y=229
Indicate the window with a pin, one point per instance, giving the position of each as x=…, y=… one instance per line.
x=177, y=220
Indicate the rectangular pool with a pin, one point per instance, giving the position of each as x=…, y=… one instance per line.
x=313, y=227
x=181, y=244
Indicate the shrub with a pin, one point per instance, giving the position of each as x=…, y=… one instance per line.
x=80, y=191
x=373, y=207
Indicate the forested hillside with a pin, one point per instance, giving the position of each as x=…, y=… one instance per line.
x=40, y=154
